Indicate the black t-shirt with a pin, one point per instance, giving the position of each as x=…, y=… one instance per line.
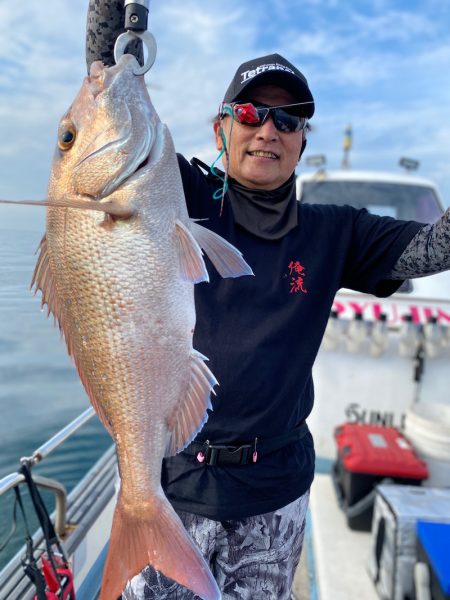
x=262, y=335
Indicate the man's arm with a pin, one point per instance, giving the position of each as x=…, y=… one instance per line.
x=427, y=253
x=105, y=21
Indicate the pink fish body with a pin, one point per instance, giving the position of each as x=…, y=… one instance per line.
x=119, y=279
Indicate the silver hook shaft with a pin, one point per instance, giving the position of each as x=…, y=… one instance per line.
x=147, y=39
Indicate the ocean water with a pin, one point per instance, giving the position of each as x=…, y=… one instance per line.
x=39, y=388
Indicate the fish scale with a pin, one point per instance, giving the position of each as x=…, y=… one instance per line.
x=117, y=269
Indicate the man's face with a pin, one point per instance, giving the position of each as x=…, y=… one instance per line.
x=261, y=157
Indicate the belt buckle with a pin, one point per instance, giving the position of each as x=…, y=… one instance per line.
x=218, y=454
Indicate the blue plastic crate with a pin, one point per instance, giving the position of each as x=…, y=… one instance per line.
x=434, y=539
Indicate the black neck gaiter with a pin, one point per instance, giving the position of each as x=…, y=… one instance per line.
x=268, y=214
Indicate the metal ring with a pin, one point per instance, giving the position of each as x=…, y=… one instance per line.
x=147, y=39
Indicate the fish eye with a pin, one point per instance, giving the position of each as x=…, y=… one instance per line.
x=66, y=137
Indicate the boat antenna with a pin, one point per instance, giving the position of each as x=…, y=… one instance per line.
x=346, y=147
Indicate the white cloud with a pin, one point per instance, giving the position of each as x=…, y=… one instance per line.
x=397, y=25
x=205, y=29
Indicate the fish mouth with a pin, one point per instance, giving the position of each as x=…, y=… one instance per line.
x=121, y=150
x=135, y=167
x=118, y=149
x=151, y=157
x=142, y=165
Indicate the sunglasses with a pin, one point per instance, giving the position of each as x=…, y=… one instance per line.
x=255, y=116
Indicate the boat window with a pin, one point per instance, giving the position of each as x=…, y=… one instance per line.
x=402, y=201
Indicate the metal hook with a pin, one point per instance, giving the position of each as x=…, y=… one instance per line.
x=147, y=39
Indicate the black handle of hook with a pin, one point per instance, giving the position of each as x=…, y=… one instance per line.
x=136, y=16
x=105, y=22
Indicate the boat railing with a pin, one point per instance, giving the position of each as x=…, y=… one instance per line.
x=15, y=479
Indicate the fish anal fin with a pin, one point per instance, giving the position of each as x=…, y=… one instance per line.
x=190, y=415
x=192, y=265
x=155, y=536
x=225, y=257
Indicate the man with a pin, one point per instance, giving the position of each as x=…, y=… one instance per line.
x=242, y=487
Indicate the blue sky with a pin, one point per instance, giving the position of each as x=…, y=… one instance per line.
x=381, y=65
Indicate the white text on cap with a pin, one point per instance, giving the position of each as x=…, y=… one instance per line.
x=269, y=67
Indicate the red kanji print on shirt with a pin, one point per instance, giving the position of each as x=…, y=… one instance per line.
x=297, y=273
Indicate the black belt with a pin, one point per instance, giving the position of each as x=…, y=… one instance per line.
x=243, y=453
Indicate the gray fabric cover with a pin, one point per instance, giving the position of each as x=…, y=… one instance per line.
x=401, y=507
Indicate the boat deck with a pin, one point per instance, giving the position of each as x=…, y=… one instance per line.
x=301, y=589
x=340, y=554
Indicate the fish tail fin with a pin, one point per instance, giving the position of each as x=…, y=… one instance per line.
x=160, y=540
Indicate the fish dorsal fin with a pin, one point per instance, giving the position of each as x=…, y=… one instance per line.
x=190, y=415
x=224, y=256
x=44, y=282
x=192, y=265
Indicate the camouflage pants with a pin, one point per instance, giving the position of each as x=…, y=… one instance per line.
x=251, y=559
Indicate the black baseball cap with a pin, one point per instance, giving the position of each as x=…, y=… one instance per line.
x=272, y=69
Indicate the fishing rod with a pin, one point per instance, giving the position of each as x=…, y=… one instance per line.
x=136, y=22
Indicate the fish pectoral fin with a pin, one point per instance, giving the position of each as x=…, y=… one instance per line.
x=154, y=534
x=190, y=415
x=192, y=265
x=224, y=256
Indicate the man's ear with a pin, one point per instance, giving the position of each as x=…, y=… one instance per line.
x=217, y=125
x=303, y=148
